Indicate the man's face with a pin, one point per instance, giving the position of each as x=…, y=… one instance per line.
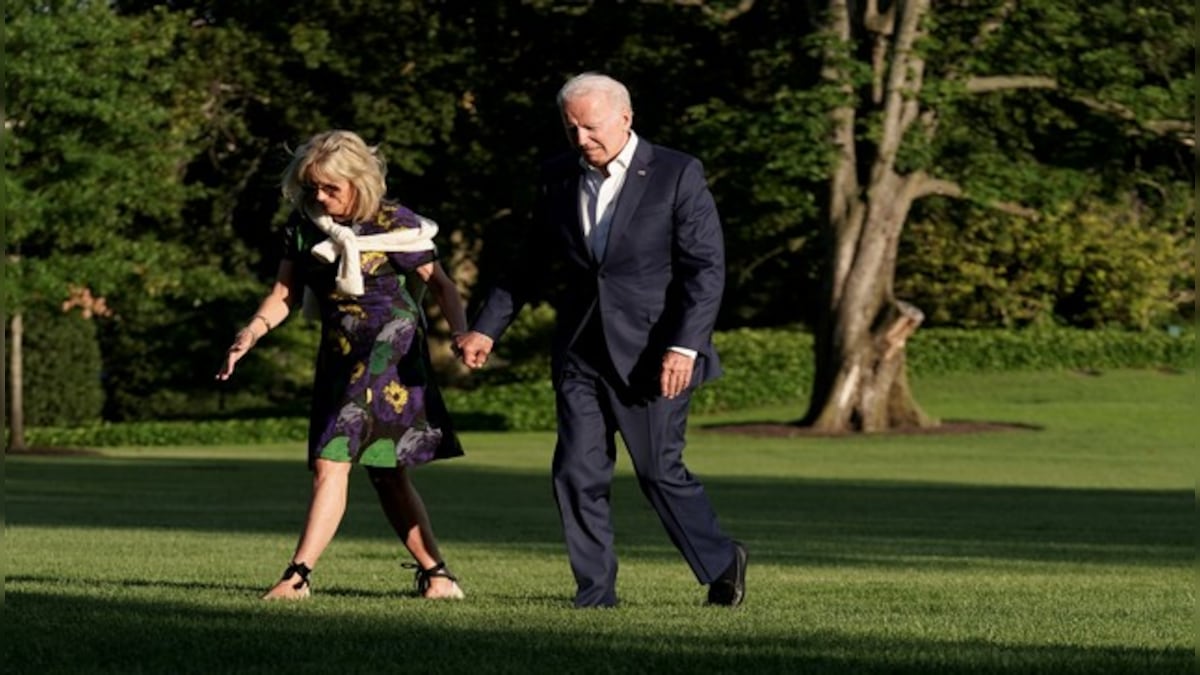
x=595, y=127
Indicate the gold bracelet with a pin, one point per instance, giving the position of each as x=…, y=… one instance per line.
x=263, y=319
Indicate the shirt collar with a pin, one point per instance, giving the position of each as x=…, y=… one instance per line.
x=619, y=164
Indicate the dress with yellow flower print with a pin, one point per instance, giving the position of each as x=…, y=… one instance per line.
x=375, y=401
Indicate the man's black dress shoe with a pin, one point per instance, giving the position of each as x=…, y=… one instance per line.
x=730, y=588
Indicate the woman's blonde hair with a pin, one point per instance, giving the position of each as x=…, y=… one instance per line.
x=336, y=155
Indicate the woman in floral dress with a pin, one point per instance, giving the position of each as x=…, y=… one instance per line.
x=375, y=402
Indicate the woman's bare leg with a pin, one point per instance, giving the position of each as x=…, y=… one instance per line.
x=406, y=512
x=325, y=510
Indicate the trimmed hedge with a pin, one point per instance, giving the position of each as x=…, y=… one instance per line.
x=772, y=366
x=762, y=367
x=945, y=350
x=181, y=432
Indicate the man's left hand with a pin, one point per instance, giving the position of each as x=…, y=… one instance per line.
x=676, y=373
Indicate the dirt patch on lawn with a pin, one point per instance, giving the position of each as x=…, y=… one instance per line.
x=793, y=430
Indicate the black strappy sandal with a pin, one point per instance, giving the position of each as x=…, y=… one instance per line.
x=422, y=576
x=303, y=586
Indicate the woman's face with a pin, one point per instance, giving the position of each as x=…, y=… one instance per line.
x=334, y=195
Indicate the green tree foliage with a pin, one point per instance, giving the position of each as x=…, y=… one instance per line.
x=764, y=139
x=1034, y=106
x=1090, y=265
x=1085, y=264
x=102, y=130
x=272, y=75
x=93, y=156
x=1082, y=114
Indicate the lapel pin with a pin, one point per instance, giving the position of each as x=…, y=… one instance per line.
x=641, y=172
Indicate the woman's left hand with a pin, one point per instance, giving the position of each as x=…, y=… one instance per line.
x=242, y=343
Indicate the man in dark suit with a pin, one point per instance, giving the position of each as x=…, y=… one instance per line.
x=630, y=234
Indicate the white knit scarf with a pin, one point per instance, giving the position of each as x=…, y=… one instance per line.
x=345, y=246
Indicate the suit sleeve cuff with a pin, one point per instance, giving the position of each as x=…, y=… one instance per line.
x=690, y=353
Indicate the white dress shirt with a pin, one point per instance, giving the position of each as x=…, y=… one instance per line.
x=598, y=196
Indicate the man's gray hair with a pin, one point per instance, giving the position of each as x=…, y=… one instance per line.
x=586, y=83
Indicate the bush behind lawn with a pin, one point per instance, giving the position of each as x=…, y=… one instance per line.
x=762, y=367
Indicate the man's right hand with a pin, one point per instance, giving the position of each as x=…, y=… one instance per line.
x=474, y=348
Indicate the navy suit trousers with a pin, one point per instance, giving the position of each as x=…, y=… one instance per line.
x=592, y=406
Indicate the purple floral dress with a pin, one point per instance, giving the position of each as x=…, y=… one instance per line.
x=375, y=401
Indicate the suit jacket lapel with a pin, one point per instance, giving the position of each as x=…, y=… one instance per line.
x=636, y=180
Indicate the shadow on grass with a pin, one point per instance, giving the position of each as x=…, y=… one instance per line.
x=784, y=521
x=167, y=637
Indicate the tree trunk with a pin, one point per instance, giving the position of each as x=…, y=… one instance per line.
x=16, y=418
x=861, y=383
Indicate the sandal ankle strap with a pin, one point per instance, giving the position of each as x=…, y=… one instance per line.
x=422, y=575
x=298, y=569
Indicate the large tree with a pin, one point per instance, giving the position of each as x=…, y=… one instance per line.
x=850, y=117
x=908, y=128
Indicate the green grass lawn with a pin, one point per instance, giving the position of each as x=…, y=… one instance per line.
x=1067, y=547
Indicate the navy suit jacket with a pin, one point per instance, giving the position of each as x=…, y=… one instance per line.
x=660, y=281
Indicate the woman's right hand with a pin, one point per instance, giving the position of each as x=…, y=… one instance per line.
x=242, y=342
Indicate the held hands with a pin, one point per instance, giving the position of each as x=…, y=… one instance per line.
x=676, y=373
x=473, y=348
